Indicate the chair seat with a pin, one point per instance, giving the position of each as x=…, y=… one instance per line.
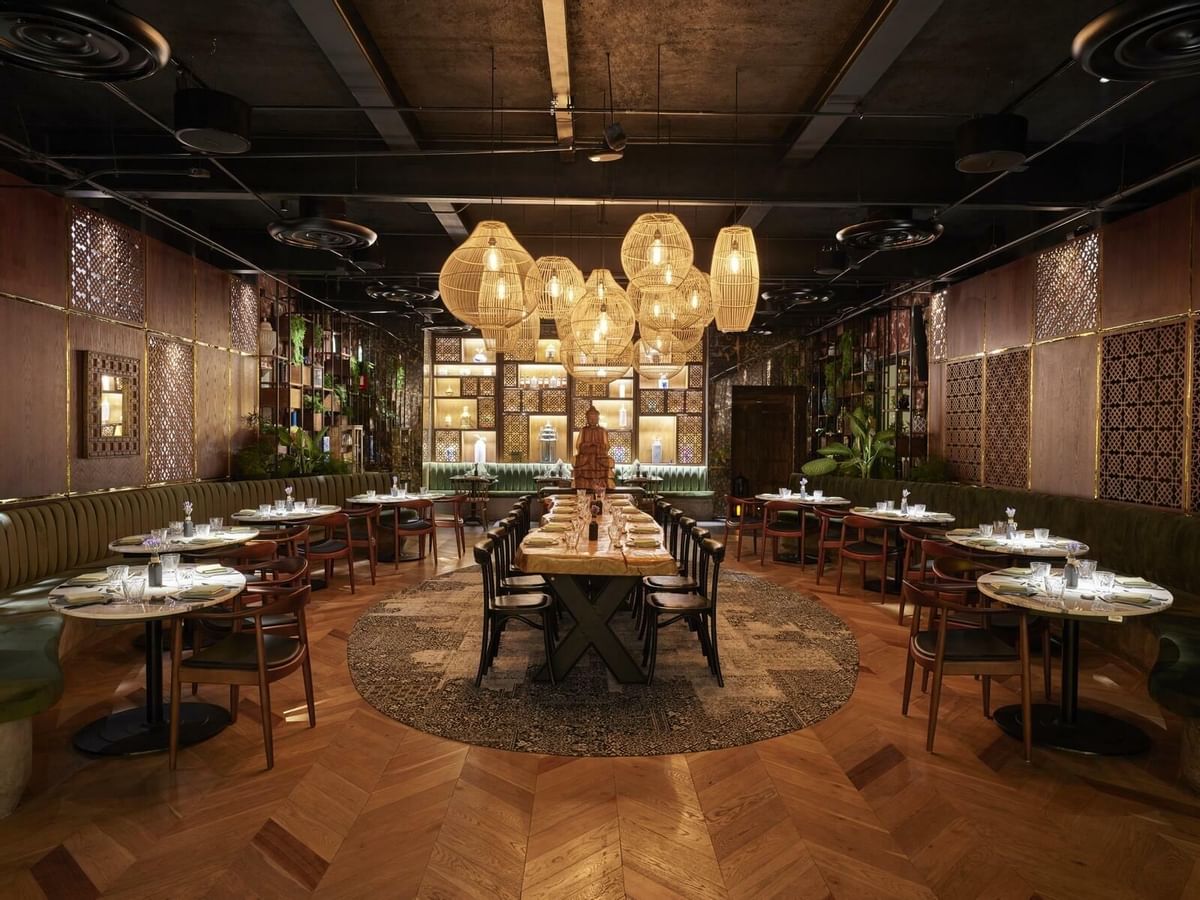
x=414, y=525
x=240, y=651
x=448, y=521
x=866, y=548
x=784, y=527
x=677, y=602
x=670, y=583
x=745, y=524
x=522, y=601
x=325, y=548
x=964, y=644
x=523, y=583
x=275, y=621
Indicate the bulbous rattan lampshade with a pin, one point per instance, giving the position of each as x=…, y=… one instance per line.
x=602, y=320
x=656, y=241
x=734, y=280
x=686, y=338
x=483, y=279
x=658, y=356
x=520, y=339
x=562, y=286
x=683, y=305
x=603, y=366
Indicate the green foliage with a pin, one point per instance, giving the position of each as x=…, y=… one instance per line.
x=870, y=450
x=298, y=328
x=280, y=452
x=933, y=469
x=315, y=403
x=846, y=347
x=820, y=466
x=318, y=337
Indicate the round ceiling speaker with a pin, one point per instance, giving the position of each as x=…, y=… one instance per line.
x=989, y=144
x=892, y=229
x=1141, y=41
x=832, y=259
x=319, y=227
x=398, y=293
x=81, y=39
x=785, y=298
x=211, y=122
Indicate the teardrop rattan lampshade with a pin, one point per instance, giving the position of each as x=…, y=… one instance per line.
x=590, y=366
x=520, y=339
x=483, y=279
x=602, y=320
x=734, y=280
x=655, y=241
x=687, y=338
x=562, y=286
x=683, y=305
x=658, y=356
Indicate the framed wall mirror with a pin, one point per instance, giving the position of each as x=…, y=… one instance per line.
x=112, y=405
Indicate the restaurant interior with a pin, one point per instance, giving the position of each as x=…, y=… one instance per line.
x=596, y=449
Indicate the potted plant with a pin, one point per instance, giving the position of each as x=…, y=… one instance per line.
x=869, y=447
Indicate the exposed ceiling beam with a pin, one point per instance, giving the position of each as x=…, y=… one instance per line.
x=893, y=29
x=554, y=12
x=339, y=31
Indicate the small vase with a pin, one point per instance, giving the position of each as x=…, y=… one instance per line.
x=188, y=528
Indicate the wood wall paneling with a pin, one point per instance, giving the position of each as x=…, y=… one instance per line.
x=212, y=305
x=105, y=337
x=212, y=412
x=1146, y=271
x=170, y=289
x=965, y=317
x=1008, y=293
x=1064, y=420
x=33, y=438
x=33, y=242
x=937, y=404
x=244, y=397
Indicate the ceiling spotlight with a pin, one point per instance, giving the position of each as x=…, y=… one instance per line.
x=320, y=227
x=615, y=140
x=211, y=122
x=1141, y=41
x=82, y=39
x=988, y=144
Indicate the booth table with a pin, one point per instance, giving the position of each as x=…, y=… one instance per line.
x=477, y=488
x=134, y=544
x=1025, y=546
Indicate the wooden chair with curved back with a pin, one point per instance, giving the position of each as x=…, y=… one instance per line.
x=364, y=533
x=452, y=519
x=829, y=536
x=775, y=527
x=290, y=538
x=421, y=527
x=742, y=515
x=861, y=549
x=698, y=608
x=336, y=543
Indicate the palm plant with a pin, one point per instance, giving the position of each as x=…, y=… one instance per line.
x=868, y=446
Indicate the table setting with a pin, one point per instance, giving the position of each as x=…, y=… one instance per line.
x=1036, y=542
x=205, y=536
x=916, y=513
x=283, y=512
x=398, y=494
x=813, y=498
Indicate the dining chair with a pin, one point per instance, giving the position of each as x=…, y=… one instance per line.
x=286, y=572
x=290, y=538
x=861, y=549
x=249, y=557
x=829, y=535
x=943, y=650
x=512, y=579
x=452, y=519
x=364, y=533
x=688, y=581
x=914, y=537
x=336, y=543
x=420, y=527
x=698, y=609
x=742, y=514
x=774, y=527
x=246, y=657
x=500, y=608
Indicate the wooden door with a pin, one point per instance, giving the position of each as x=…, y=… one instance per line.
x=766, y=436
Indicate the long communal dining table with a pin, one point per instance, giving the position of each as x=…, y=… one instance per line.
x=592, y=581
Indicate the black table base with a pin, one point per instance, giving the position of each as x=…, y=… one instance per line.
x=592, y=602
x=133, y=732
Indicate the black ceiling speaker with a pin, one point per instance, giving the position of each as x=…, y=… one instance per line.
x=80, y=39
x=832, y=259
x=1141, y=41
x=785, y=298
x=211, y=122
x=890, y=229
x=320, y=226
x=987, y=144
x=398, y=293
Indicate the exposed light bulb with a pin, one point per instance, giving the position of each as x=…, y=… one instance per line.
x=656, y=249
x=570, y=294
x=603, y=322
x=658, y=343
x=735, y=261
x=657, y=308
x=554, y=287
x=501, y=288
x=695, y=299
x=600, y=290
x=492, y=257
x=669, y=274
x=360, y=351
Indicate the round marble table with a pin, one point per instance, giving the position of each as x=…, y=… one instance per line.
x=284, y=516
x=399, y=552
x=806, y=499
x=1066, y=726
x=132, y=732
x=134, y=544
x=895, y=519
x=1024, y=546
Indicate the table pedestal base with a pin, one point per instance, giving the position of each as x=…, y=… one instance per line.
x=128, y=733
x=592, y=602
x=1092, y=733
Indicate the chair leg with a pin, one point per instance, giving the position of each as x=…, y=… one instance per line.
x=371, y=559
x=483, y=651
x=841, y=568
x=396, y=542
x=987, y=696
x=908, y=680
x=264, y=702
x=653, y=648
x=924, y=681
x=883, y=576
x=309, y=701
x=1046, y=661
x=739, y=542
x=934, y=698
x=820, y=559
x=350, y=566
x=900, y=616
x=715, y=658
x=549, y=642
x=234, y=702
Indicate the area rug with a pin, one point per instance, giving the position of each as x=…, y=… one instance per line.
x=788, y=663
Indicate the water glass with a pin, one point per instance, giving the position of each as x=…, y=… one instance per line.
x=985, y=529
x=280, y=505
x=185, y=577
x=1041, y=534
x=170, y=564
x=134, y=589
x=216, y=523
x=174, y=528
x=1105, y=581
x=889, y=505
x=917, y=509
x=117, y=574
x=880, y=505
x=370, y=493
x=159, y=535
x=203, y=530
x=1039, y=570
x=818, y=495
x=299, y=506
x=1053, y=586
x=1087, y=568
x=785, y=492
x=264, y=509
x=310, y=502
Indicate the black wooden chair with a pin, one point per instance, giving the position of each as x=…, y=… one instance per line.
x=698, y=608
x=499, y=609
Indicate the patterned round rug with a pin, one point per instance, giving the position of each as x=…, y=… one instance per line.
x=788, y=662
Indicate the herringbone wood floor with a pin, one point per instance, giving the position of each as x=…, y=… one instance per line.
x=362, y=806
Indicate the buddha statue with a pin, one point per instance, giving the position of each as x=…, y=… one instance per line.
x=593, y=464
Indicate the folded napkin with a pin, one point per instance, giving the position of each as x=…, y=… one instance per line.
x=984, y=542
x=1013, y=590
x=213, y=569
x=1014, y=570
x=1139, y=599
x=84, y=598
x=89, y=578
x=1135, y=582
x=963, y=532
x=130, y=541
x=643, y=543
x=644, y=529
x=203, y=592
x=533, y=541
x=246, y=512
x=555, y=527
x=240, y=529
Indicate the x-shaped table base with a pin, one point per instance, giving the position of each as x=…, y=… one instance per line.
x=592, y=613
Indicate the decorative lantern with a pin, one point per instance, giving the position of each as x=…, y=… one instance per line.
x=590, y=366
x=657, y=245
x=562, y=286
x=660, y=356
x=684, y=338
x=483, y=281
x=684, y=305
x=520, y=340
x=602, y=320
x=734, y=279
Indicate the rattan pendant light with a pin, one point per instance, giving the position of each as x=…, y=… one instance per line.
x=658, y=356
x=734, y=280
x=585, y=365
x=519, y=340
x=602, y=320
x=683, y=305
x=562, y=286
x=657, y=246
x=483, y=281
x=687, y=338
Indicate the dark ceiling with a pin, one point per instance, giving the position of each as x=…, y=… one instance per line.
x=434, y=115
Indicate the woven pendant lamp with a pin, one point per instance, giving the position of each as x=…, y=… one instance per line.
x=656, y=242
x=483, y=279
x=562, y=286
x=684, y=305
x=589, y=365
x=734, y=280
x=520, y=340
x=686, y=338
x=659, y=356
x=602, y=320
